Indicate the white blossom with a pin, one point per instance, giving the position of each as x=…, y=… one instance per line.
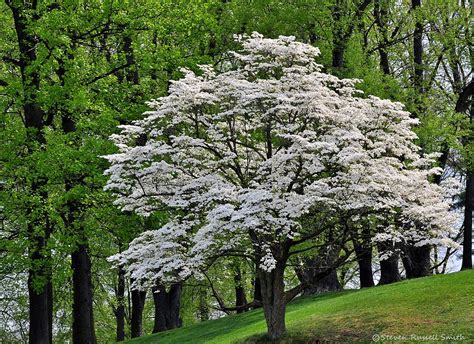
x=239, y=156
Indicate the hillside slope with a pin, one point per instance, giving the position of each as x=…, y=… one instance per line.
x=438, y=306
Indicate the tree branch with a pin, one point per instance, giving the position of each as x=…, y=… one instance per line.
x=116, y=69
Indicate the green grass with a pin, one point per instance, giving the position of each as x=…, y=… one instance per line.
x=433, y=306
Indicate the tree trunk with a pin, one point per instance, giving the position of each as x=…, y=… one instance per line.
x=417, y=261
x=83, y=320
x=257, y=292
x=418, y=50
x=338, y=36
x=338, y=55
x=39, y=275
x=167, y=307
x=39, y=309
x=461, y=106
x=83, y=331
x=380, y=15
x=273, y=300
x=468, y=209
x=364, y=260
x=138, y=303
x=319, y=274
x=389, y=272
x=240, y=298
x=203, y=305
x=120, y=310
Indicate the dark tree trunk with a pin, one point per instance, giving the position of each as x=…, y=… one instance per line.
x=319, y=274
x=138, y=303
x=364, y=260
x=39, y=309
x=120, y=310
x=389, y=271
x=240, y=298
x=83, y=331
x=83, y=320
x=468, y=212
x=338, y=55
x=417, y=261
x=40, y=289
x=257, y=292
x=203, y=305
x=338, y=36
x=380, y=15
x=418, y=50
x=273, y=300
x=167, y=307
x=343, y=28
x=464, y=101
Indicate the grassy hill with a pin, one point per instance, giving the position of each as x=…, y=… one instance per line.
x=437, y=306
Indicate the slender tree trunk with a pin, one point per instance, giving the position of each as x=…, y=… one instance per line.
x=120, y=310
x=389, y=271
x=167, y=307
x=273, y=299
x=462, y=105
x=203, y=305
x=257, y=292
x=138, y=303
x=240, y=298
x=468, y=213
x=418, y=50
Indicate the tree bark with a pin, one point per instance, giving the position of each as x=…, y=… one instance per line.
x=380, y=15
x=389, y=272
x=343, y=29
x=83, y=331
x=257, y=292
x=203, y=305
x=39, y=275
x=138, y=304
x=417, y=261
x=240, y=298
x=468, y=212
x=462, y=105
x=364, y=260
x=418, y=50
x=120, y=310
x=273, y=300
x=318, y=274
x=83, y=320
x=167, y=307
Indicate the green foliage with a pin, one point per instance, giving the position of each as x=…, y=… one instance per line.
x=87, y=57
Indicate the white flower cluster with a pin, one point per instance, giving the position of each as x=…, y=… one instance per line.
x=239, y=156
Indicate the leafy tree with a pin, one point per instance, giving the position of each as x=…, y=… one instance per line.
x=243, y=155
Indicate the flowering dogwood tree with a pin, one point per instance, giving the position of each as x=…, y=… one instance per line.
x=238, y=156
